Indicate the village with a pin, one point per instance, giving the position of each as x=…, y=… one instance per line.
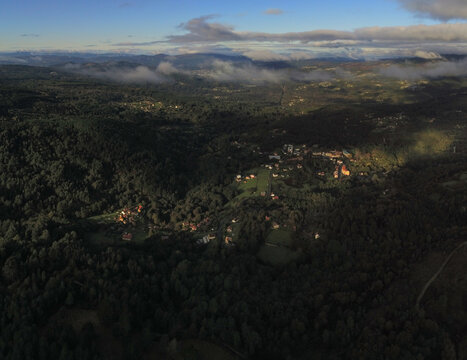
x=275, y=169
x=289, y=167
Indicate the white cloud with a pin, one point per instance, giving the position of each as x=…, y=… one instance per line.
x=166, y=68
x=137, y=75
x=273, y=12
x=265, y=55
x=438, y=9
x=430, y=70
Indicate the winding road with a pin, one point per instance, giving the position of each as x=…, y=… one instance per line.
x=433, y=278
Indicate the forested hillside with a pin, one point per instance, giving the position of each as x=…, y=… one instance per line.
x=77, y=155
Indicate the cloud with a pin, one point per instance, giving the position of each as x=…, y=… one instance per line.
x=201, y=30
x=268, y=55
x=265, y=55
x=273, y=12
x=428, y=71
x=437, y=9
x=29, y=35
x=137, y=75
x=429, y=55
x=227, y=71
x=414, y=33
x=167, y=68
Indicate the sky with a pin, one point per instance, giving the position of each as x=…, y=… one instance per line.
x=261, y=29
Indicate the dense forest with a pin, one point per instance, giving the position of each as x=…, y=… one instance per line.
x=73, y=148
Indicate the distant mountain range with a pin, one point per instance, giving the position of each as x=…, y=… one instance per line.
x=185, y=61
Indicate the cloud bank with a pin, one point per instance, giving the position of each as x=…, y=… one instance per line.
x=137, y=75
x=428, y=71
x=362, y=43
x=217, y=70
x=249, y=73
x=201, y=30
x=437, y=9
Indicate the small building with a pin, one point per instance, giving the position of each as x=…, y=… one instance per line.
x=228, y=240
x=274, y=157
x=346, y=153
x=127, y=236
x=275, y=226
x=229, y=229
x=345, y=171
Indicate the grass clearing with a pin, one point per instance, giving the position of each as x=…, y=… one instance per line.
x=104, y=218
x=262, y=180
x=280, y=237
x=254, y=187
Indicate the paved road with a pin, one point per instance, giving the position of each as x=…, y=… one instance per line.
x=269, y=183
x=433, y=278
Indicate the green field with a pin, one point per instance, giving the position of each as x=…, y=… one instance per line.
x=280, y=237
x=248, y=188
x=263, y=180
x=104, y=218
x=254, y=187
x=276, y=255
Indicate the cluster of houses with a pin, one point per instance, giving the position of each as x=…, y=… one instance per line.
x=294, y=150
x=129, y=215
x=230, y=232
x=341, y=170
x=336, y=157
x=206, y=239
x=195, y=226
x=240, y=178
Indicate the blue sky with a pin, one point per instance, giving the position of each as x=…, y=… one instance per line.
x=103, y=24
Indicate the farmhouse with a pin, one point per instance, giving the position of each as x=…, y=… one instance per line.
x=345, y=171
x=127, y=236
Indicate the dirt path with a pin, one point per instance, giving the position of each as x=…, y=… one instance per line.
x=435, y=276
